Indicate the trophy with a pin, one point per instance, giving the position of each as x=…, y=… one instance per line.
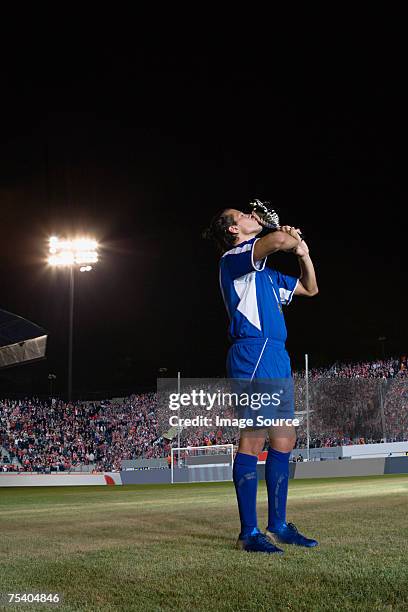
x=268, y=216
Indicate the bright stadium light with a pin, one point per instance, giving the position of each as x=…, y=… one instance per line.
x=81, y=251
x=76, y=253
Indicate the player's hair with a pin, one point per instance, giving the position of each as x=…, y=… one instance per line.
x=218, y=230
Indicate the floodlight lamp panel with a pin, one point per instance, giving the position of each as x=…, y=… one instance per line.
x=66, y=252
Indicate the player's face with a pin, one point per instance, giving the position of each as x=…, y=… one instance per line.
x=246, y=223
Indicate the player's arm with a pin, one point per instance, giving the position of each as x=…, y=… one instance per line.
x=287, y=239
x=307, y=285
x=272, y=243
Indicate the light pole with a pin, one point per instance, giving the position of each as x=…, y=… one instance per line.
x=51, y=378
x=70, y=328
x=77, y=253
x=178, y=428
x=307, y=407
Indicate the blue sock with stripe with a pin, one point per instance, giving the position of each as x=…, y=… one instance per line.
x=246, y=483
x=277, y=480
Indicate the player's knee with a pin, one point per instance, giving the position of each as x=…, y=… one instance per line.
x=283, y=446
x=251, y=445
x=283, y=442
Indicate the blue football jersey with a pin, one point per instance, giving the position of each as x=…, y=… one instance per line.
x=254, y=294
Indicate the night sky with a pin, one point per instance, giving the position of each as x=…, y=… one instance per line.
x=141, y=145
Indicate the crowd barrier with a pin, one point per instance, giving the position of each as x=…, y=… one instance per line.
x=344, y=467
x=58, y=480
x=355, y=451
x=334, y=468
x=310, y=469
x=146, y=476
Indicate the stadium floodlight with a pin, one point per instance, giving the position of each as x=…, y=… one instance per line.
x=72, y=253
x=80, y=251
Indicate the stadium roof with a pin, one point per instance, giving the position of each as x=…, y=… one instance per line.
x=21, y=341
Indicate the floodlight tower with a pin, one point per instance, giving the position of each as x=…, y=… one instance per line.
x=77, y=253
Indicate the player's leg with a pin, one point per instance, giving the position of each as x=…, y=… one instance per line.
x=246, y=478
x=241, y=365
x=276, y=367
x=281, y=440
x=246, y=484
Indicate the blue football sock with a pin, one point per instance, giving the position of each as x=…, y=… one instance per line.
x=277, y=478
x=246, y=484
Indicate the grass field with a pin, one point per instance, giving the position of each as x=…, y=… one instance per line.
x=172, y=547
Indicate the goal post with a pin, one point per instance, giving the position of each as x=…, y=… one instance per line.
x=202, y=463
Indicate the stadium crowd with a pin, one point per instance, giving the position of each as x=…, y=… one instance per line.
x=48, y=436
x=382, y=368
x=38, y=436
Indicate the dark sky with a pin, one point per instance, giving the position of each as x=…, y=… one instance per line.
x=141, y=144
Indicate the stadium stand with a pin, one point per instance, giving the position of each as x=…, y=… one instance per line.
x=49, y=436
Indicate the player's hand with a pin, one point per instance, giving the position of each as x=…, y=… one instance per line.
x=302, y=249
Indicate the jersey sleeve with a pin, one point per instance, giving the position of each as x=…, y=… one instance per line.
x=286, y=284
x=240, y=260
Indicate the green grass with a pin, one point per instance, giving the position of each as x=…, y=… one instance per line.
x=172, y=547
